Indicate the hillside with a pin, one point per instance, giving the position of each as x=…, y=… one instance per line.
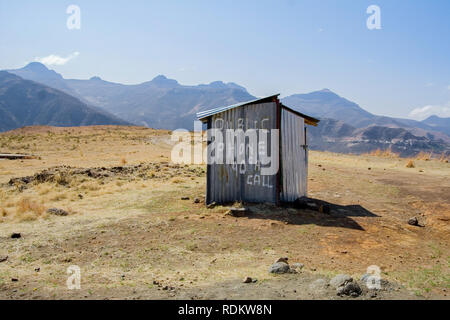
x=159, y=103
x=27, y=103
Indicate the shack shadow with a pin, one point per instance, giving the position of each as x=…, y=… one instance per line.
x=317, y=212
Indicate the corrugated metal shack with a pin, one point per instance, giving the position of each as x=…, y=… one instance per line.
x=246, y=182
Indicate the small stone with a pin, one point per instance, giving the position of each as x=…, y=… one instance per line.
x=16, y=236
x=283, y=259
x=247, y=280
x=58, y=212
x=340, y=280
x=211, y=205
x=80, y=196
x=297, y=266
x=196, y=200
x=3, y=258
x=279, y=268
x=37, y=269
x=413, y=222
x=14, y=280
x=184, y=198
x=165, y=288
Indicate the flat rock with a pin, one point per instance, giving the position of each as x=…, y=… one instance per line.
x=340, y=280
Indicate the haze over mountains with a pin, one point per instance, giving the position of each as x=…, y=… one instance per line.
x=164, y=103
x=26, y=103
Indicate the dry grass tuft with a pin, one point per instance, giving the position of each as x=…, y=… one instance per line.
x=424, y=156
x=443, y=158
x=410, y=164
x=388, y=153
x=27, y=210
x=177, y=180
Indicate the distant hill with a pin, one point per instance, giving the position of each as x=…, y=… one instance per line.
x=164, y=103
x=161, y=103
x=437, y=123
x=337, y=136
x=26, y=103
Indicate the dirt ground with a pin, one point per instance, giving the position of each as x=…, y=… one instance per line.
x=133, y=237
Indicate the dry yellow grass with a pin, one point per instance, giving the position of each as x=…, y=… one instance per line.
x=424, y=156
x=27, y=210
x=140, y=228
x=388, y=153
x=410, y=164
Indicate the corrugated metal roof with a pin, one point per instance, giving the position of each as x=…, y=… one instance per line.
x=208, y=113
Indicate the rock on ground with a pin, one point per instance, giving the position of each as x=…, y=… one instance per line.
x=279, y=267
x=349, y=289
x=58, y=212
x=340, y=280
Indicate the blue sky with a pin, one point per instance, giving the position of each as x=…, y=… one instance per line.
x=286, y=46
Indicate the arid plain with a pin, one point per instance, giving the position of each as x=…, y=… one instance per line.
x=133, y=236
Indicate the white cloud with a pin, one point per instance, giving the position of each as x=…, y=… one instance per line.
x=54, y=60
x=426, y=111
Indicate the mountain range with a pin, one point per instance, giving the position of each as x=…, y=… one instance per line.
x=164, y=103
x=27, y=103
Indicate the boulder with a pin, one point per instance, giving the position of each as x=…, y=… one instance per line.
x=340, y=280
x=349, y=289
x=279, y=268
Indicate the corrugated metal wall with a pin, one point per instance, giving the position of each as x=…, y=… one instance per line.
x=229, y=183
x=293, y=157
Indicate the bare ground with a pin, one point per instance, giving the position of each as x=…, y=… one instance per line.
x=132, y=236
